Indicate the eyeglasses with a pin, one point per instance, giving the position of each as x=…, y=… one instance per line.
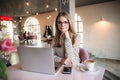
x=60, y=22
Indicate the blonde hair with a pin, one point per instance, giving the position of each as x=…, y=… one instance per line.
x=58, y=33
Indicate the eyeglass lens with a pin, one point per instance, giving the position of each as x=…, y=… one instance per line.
x=64, y=22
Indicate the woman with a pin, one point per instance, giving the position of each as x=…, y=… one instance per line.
x=66, y=41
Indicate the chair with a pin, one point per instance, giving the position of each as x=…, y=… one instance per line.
x=83, y=54
x=21, y=39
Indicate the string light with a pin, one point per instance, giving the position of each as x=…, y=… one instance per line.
x=55, y=9
x=20, y=17
x=27, y=12
x=49, y=17
x=47, y=6
x=36, y=13
x=27, y=3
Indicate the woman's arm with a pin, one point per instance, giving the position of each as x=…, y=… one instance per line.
x=57, y=58
x=73, y=50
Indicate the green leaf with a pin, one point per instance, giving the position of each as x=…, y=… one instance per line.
x=3, y=70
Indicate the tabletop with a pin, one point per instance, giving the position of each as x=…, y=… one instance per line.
x=16, y=73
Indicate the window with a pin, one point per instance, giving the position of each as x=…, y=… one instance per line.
x=32, y=25
x=79, y=28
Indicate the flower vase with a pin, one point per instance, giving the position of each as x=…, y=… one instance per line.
x=3, y=70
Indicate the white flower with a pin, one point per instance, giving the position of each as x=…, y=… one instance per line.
x=1, y=35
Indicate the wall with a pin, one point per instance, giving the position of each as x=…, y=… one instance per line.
x=44, y=21
x=101, y=38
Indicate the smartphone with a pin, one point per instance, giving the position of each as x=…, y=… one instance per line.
x=67, y=70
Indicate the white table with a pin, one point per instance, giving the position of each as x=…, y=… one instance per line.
x=15, y=73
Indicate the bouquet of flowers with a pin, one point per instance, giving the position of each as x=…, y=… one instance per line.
x=6, y=45
x=6, y=48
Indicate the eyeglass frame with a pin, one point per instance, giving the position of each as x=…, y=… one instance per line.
x=64, y=22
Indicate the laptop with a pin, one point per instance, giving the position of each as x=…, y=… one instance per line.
x=37, y=59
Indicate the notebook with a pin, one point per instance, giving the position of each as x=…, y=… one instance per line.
x=37, y=59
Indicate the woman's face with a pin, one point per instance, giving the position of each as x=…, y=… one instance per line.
x=63, y=24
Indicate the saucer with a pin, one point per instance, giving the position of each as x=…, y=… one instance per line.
x=84, y=69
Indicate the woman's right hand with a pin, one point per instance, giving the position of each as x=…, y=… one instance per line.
x=65, y=35
x=68, y=62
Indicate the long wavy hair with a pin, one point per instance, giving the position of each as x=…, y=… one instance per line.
x=58, y=32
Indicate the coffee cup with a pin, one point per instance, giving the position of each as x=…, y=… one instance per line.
x=89, y=64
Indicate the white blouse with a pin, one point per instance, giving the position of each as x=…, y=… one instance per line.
x=72, y=51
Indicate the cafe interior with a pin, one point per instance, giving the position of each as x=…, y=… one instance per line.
x=97, y=22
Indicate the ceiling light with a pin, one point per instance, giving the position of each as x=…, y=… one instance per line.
x=20, y=17
x=55, y=9
x=49, y=16
x=15, y=21
x=27, y=3
x=27, y=12
x=37, y=13
x=47, y=6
